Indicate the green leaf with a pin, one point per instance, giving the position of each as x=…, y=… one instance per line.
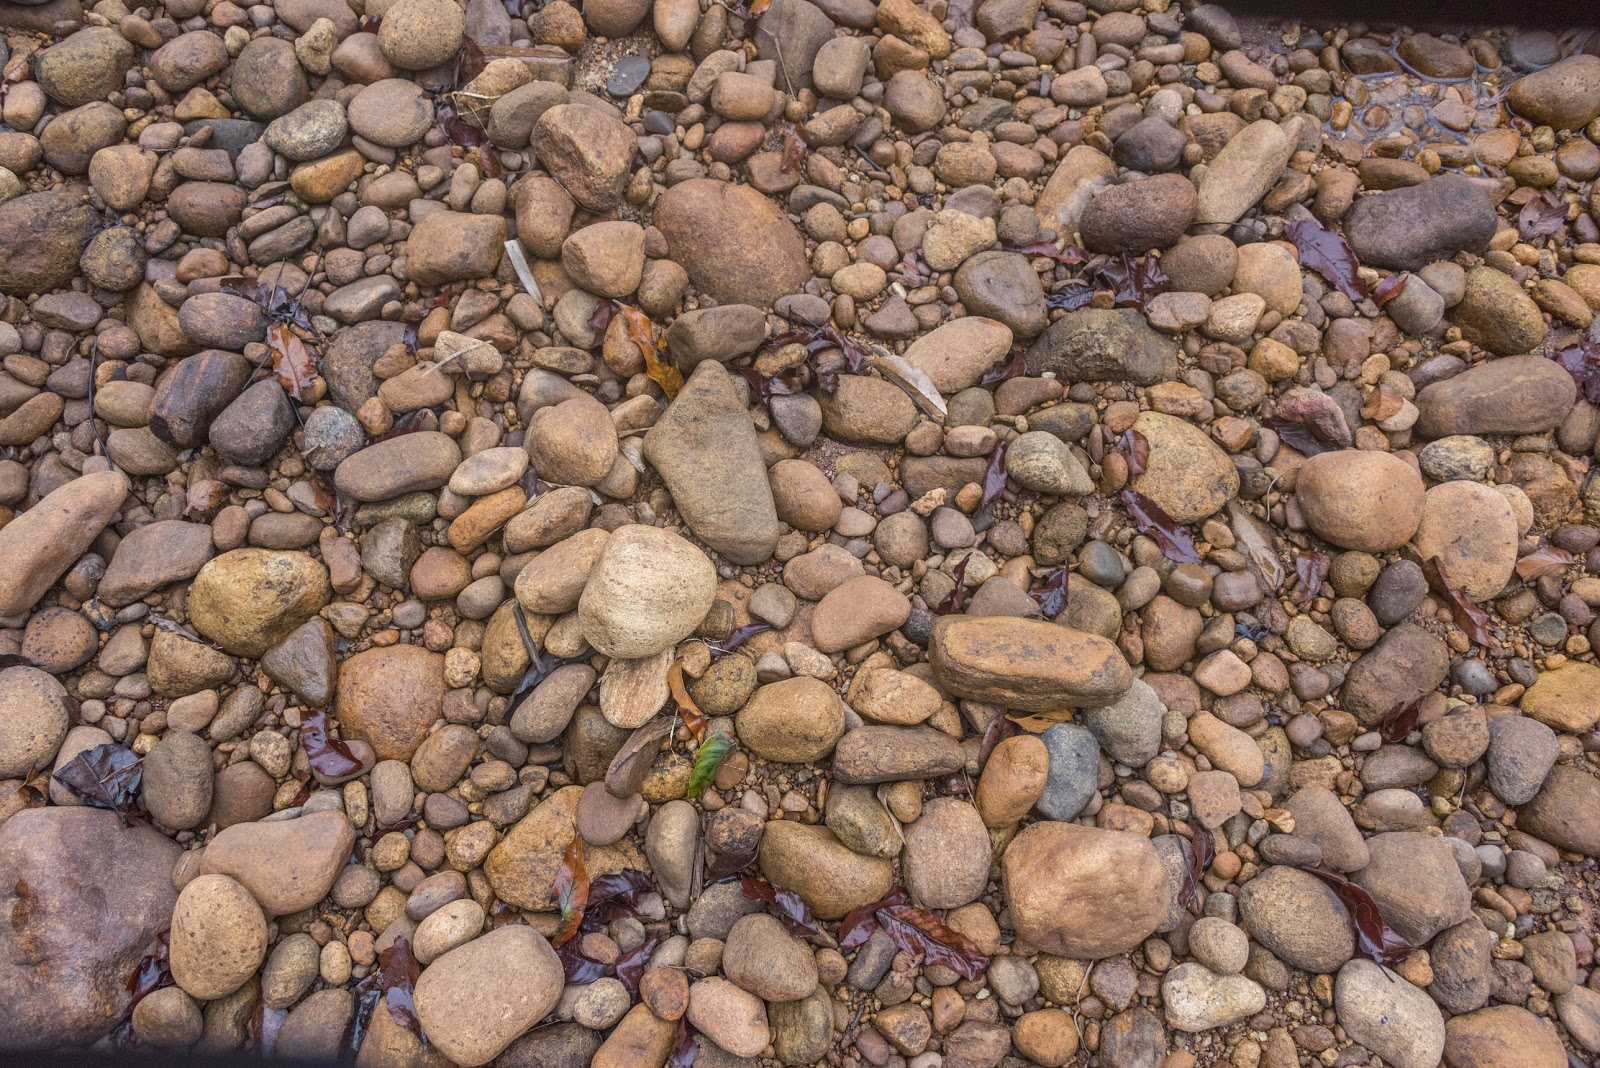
x=713, y=751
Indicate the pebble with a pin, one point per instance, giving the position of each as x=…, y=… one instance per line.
x=648, y=589
x=1026, y=664
x=1082, y=892
x=829, y=877
x=761, y=957
x=1368, y=501
x=1298, y=918
x=946, y=858
x=1196, y=999
x=289, y=865
x=219, y=937
x=731, y=1018
x=1388, y=1015
x=475, y=999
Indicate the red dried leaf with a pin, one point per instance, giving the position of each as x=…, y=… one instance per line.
x=475, y=59
x=1152, y=519
x=1070, y=296
x=1582, y=362
x=922, y=934
x=816, y=340
x=397, y=976
x=1546, y=560
x=329, y=758
x=685, y=1050
x=999, y=729
x=1375, y=939
x=721, y=865
x=1390, y=288
x=951, y=603
x=1311, y=568
x=205, y=496
x=572, y=892
x=859, y=923
x=791, y=910
x=1052, y=593
x=322, y=494
x=1070, y=256
x=152, y=972
x=914, y=270
x=784, y=384
x=1202, y=851
x=994, y=477
x=1132, y=279
x=738, y=638
x=409, y=423
x=1324, y=251
x=292, y=361
x=915, y=931
x=1473, y=620
x=505, y=914
x=630, y=966
x=107, y=776
x=489, y=162
x=1135, y=448
x=1399, y=721
x=615, y=897
x=1542, y=216
x=578, y=969
x=1013, y=367
x=1306, y=439
x=456, y=129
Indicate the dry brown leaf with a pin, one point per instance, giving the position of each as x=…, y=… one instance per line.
x=1381, y=404
x=292, y=362
x=572, y=892
x=693, y=718
x=1034, y=724
x=642, y=332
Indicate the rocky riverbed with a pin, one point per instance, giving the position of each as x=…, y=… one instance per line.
x=791, y=532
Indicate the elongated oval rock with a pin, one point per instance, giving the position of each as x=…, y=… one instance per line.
x=1403, y=229
x=706, y=452
x=1243, y=171
x=1026, y=664
x=38, y=546
x=880, y=753
x=406, y=464
x=648, y=590
x=1388, y=1015
x=1511, y=395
